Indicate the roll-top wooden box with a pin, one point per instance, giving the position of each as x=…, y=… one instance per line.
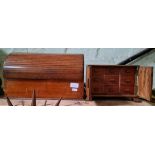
x=119, y=81
x=50, y=75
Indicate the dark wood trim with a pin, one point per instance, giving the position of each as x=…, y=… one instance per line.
x=58, y=102
x=9, y=101
x=33, y=98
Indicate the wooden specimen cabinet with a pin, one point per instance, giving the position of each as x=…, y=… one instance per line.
x=50, y=75
x=119, y=81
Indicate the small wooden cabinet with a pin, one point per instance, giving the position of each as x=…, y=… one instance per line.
x=119, y=81
x=50, y=75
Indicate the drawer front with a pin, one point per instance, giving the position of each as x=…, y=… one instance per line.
x=97, y=72
x=127, y=80
x=128, y=71
x=105, y=70
x=112, y=71
x=97, y=88
x=111, y=79
x=106, y=90
x=98, y=80
x=111, y=90
x=125, y=90
x=106, y=79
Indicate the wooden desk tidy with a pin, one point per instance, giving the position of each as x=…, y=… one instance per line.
x=119, y=81
x=50, y=75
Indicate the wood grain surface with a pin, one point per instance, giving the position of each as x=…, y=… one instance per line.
x=145, y=81
x=44, y=66
x=44, y=89
x=111, y=81
x=50, y=75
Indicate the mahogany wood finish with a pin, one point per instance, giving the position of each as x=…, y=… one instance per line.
x=44, y=66
x=118, y=81
x=50, y=75
x=145, y=82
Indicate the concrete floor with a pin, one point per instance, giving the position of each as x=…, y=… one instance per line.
x=40, y=102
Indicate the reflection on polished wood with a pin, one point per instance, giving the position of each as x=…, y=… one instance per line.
x=50, y=75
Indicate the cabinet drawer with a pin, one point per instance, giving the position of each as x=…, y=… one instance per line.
x=127, y=90
x=111, y=89
x=98, y=72
x=111, y=79
x=127, y=80
x=112, y=71
x=105, y=89
x=97, y=90
x=98, y=80
x=128, y=71
x=106, y=79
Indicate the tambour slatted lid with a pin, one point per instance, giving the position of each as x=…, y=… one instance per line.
x=44, y=66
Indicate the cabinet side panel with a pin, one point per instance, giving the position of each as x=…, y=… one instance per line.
x=88, y=83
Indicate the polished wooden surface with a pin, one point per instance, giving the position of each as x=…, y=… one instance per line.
x=145, y=82
x=50, y=75
x=44, y=66
x=44, y=89
x=111, y=81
